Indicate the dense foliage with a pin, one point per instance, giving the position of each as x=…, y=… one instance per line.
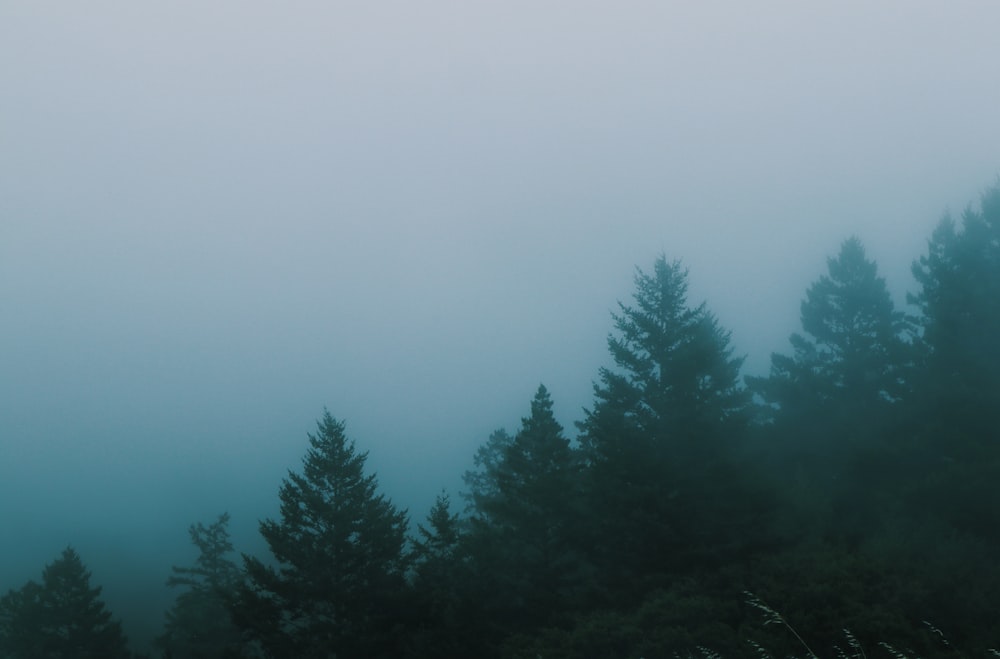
x=199, y=625
x=340, y=561
x=63, y=616
x=852, y=488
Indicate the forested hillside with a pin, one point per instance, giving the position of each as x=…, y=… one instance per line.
x=691, y=510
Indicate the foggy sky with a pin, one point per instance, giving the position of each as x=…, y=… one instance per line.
x=218, y=218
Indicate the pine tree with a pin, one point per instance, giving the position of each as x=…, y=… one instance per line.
x=959, y=300
x=339, y=548
x=957, y=401
x=676, y=379
x=61, y=617
x=447, y=622
x=854, y=357
x=524, y=498
x=199, y=624
x=489, y=463
x=834, y=401
x=21, y=621
x=523, y=481
x=658, y=441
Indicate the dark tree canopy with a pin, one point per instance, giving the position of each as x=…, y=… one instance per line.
x=522, y=481
x=836, y=397
x=676, y=380
x=489, y=463
x=853, y=355
x=340, y=560
x=956, y=409
x=854, y=487
x=446, y=624
x=199, y=625
x=523, y=498
x=657, y=442
x=61, y=617
x=959, y=300
x=436, y=542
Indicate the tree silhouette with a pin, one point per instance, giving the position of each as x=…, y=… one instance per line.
x=525, y=501
x=675, y=380
x=957, y=401
x=658, y=441
x=447, y=623
x=834, y=400
x=853, y=356
x=61, y=617
x=339, y=548
x=959, y=300
x=199, y=624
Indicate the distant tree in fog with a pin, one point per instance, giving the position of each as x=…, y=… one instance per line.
x=199, y=625
x=658, y=443
x=959, y=300
x=61, y=617
x=446, y=624
x=853, y=355
x=340, y=560
x=835, y=400
x=525, y=496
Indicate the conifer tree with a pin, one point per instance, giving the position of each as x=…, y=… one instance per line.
x=853, y=358
x=834, y=401
x=523, y=484
x=447, y=623
x=199, y=624
x=489, y=462
x=658, y=440
x=437, y=541
x=959, y=300
x=957, y=400
x=676, y=382
x=524, y=499
x=339, y=560
x=61, y=617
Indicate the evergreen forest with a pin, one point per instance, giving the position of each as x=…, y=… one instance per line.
x=843, y=505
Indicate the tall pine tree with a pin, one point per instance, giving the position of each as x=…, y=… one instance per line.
x=959, y=300
x=957, y=401
x=525, y=508
x=853, y=357
x=834, y=400
x=448, y=616
x=199, y=624
x=340, y=560
x=61, y=617
x=658, y=442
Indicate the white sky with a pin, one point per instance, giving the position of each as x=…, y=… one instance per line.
x=216, y=218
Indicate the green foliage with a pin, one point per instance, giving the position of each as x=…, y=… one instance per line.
x=676, y=379
x=667, y=623
x=339, y=548
x=484, y=480
x=959, y=300
x=448, y=616
x=835, y=400
x=660, y=443
x=524, y=481
x=438, y=541
x=524, y=501
x=199, y=624
x=862, y=511
x=853, y=357
x=61, y=617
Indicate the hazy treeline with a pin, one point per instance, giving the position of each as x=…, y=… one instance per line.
x=853, y=487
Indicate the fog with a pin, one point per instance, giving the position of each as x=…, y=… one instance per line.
x=218, y=219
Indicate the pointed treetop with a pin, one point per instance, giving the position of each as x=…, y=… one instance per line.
x=542, y=418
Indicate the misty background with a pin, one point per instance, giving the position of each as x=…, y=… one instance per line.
x=216, y=219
